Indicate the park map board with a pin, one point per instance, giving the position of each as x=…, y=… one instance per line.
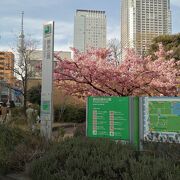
x=163, y=118
x=108, y=117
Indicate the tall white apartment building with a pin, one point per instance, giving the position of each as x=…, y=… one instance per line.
x=141, y=21
x=89, y=29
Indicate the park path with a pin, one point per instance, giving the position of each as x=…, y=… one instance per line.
x=5, y=178
x=21, y=176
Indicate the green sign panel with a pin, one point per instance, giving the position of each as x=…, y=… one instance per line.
x=46, y=106
x=108, y=117
x=47, y=29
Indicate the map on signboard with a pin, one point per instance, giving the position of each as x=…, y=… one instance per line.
x=108, y=117
x=162, y=119
x=164, y=116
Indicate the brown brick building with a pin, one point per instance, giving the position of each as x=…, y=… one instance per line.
x=6, y=67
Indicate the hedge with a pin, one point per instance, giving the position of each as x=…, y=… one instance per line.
x=17, y=148
x=71, y=113
x=90, y=159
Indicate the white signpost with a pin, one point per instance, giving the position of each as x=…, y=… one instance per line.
x=47, y=80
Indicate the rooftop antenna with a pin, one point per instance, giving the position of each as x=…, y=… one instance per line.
x=21, y=40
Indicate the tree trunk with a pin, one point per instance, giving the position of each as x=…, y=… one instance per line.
x=25, y=106
x=25, y=95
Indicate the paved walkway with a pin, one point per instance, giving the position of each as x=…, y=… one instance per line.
x=6, y=178
x=17, y=177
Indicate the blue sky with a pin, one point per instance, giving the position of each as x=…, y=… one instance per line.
x=62, y=12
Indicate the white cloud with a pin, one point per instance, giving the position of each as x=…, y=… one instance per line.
x=10, y=25
x=175, y=2
x=65, y=47
x=63, y=30
x=5, y=48
x=113, y=32
x=34, y=27
x=20, y=3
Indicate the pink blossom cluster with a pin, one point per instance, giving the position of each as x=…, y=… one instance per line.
x=94, y=73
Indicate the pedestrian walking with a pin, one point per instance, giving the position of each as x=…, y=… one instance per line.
x=4, y=112
x=8, y=117
x=0, y=113
x=30, y=112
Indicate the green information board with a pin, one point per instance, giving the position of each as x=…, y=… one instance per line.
x=134, y=119
x=108, y=117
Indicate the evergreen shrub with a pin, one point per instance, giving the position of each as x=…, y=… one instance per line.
x=71, y=113
x=101, y=159
x=17, y=148
x=80, y=130
x=9, y=139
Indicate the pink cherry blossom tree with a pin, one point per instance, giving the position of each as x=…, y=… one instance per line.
x=95, y=73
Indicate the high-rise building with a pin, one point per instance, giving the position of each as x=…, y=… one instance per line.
x=36, y=58
x=141, y=21
x=89, y=29
x=7, y=67
x=7, y=78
